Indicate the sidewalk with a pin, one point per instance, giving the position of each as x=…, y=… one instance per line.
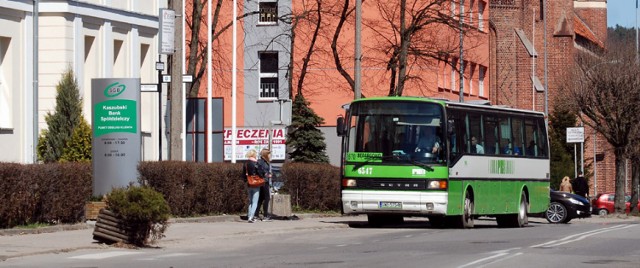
x=64, y=238
x=186, y=231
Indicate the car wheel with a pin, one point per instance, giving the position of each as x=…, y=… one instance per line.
x=603, y=212
x=556, y=213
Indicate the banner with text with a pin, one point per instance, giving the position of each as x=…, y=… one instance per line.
x=255, y=138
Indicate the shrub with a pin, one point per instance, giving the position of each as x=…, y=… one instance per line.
x=78, y=148
x=143, y=209
x=62, y=123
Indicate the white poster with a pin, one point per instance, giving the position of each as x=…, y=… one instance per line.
x=255, y=138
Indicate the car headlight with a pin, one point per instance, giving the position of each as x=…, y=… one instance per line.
x=575, y=201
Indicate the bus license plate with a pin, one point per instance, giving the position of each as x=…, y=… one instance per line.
x=392, y=205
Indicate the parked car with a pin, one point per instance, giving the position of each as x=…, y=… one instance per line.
x=603, y=203
x=564, y=207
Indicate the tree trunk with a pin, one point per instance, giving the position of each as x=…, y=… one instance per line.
x=635, y=184
x=619, y=203
x=404, y=46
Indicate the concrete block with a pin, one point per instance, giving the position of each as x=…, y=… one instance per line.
x=280, y=205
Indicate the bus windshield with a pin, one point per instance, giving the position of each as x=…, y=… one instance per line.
x=400, y=131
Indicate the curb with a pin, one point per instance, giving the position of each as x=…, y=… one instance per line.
x=91, y=224
x=47, y=229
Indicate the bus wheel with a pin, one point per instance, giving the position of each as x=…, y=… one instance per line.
x=466, y=219
x=523, y=210
x=467, y=214
x=517, y=220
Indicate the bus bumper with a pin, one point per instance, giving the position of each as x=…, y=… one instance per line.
x=394, y=202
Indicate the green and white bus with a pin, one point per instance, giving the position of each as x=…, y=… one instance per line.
x=479, y=160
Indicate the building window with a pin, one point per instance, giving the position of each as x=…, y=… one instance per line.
x=480, y=16
x=453, y=7
x=453, y=74
x=268, y=12
x=6, y=108
x=472, y=70
x=471, y=12
x=481, y=72
x=268, y=75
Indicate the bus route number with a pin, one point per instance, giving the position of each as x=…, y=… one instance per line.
x=365, y=171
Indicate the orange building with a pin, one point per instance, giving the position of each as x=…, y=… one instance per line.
x=267, y=81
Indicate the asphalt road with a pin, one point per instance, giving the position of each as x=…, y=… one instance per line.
x=350, y=242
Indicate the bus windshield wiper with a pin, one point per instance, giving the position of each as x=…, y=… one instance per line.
x=398, y=158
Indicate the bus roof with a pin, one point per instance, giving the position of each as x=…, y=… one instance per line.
x=449, y=103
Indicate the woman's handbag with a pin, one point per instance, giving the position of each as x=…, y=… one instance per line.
x=253, y=180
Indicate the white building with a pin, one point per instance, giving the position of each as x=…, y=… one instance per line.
x=96, y=39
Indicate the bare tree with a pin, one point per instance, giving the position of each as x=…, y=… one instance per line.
x=606, y=90
x=196, y=22
x=411, y=33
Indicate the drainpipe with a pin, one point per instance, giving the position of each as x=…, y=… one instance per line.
x=36, y=3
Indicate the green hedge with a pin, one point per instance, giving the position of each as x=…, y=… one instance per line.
x=45, y=193
x=56, y=192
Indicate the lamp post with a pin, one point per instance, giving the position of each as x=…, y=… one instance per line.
x=159, y=68
x=461, y=51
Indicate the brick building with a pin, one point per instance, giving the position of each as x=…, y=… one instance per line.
x=518, y=54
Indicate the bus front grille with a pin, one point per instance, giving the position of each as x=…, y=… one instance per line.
x=390, y=184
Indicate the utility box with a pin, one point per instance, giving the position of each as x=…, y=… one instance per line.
x=280, y=205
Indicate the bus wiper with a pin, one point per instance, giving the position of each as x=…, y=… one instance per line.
x=394, y=157
x=422, y=165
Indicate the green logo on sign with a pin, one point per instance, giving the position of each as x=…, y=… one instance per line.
x=114, y=89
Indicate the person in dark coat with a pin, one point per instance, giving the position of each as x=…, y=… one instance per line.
x=580, y=186
x=251, y=168
x=264, y=165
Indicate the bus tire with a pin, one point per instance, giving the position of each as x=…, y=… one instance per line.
x=467, y=213
x=465, y=220
x=516, y=220
x=522, y=218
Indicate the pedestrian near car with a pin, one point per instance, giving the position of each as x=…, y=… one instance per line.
x=565, y=186
x=251, y=168
x=580, y=185
x=264, y=165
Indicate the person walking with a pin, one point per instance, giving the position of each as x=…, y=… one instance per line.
x=565, y=186
x=264, y=165
x=580, y=186
x=251, y=168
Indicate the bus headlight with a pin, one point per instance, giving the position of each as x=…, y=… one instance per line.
x=437, y=184
x=349, y=183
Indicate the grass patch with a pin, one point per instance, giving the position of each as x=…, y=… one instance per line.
x=32, y=226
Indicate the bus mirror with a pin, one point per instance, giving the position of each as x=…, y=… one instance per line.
x=340, y=126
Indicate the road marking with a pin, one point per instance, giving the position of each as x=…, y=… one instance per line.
x=498, y=254
x=165, y=256
x=100, y=256
x=580, y=236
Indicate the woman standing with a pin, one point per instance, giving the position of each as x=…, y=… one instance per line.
x=251, y=168
x=264, y=166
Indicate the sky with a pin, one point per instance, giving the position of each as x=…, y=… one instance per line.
x=621, y=12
